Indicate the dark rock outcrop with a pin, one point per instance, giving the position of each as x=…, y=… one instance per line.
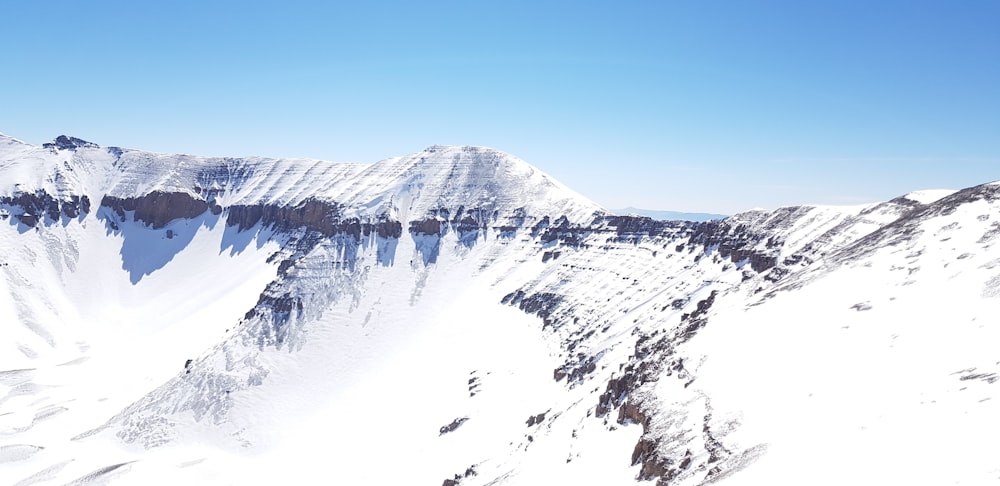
x=428, y=226
x=457, y=480
x=309, y=224
x=28, y=219
x=157, y=209
x=63, y=142
x=455, y=424
x=536, y=419
x=312, y=215
x=740, y=241
x=39, y=206
x=541, y=304
x=564, y=232
x=75, y=206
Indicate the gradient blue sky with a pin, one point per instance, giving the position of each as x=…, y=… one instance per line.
x=714, y=106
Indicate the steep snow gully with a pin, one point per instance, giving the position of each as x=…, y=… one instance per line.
x=458, y=317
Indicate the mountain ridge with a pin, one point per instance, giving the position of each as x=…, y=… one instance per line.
x=462, y=316
x=669, y=215
x=97, y=172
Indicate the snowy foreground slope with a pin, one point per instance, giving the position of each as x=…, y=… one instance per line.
x=458, y=317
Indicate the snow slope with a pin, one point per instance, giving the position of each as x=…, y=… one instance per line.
x=458, y=316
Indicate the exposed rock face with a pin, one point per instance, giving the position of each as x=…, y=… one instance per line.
x=535, y=419
x=156, y=209
x=561, y=231
x=429, y=226
x=33, y=208
x=655, y=359
x=28, y=219
x=310, y=223
x=681, y=443
x=63, y=142
x=75, y=206
x=468, y=224
x=634, y=226
x=621, y=229
x=540, y=304
x=455, y=424
x=740, y=241
x=671, y=453
x=312, y=215
x=471, y=224
x=469, y=472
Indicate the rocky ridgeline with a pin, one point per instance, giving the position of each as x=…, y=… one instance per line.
x=908, y=225
x=752, y=241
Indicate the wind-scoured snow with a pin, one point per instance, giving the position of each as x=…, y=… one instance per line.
x=456, y=316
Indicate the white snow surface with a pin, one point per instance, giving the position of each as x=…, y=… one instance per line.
x=863, y=352
x=437, y=177
x=928, y=196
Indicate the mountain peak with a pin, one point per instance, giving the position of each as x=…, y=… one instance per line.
x=468, y=154
x=64, y=142
x=452, y=176
x=414, y=185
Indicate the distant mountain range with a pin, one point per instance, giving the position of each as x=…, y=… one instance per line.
x=668, y=215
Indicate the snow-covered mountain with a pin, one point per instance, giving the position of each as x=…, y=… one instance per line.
x=457, y=316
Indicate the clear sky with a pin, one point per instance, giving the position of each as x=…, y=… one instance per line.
x=714, y=106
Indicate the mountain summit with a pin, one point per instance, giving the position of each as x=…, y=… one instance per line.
x=437, y=177
x=458, y=317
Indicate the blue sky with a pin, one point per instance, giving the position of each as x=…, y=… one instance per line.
x=682, y=105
